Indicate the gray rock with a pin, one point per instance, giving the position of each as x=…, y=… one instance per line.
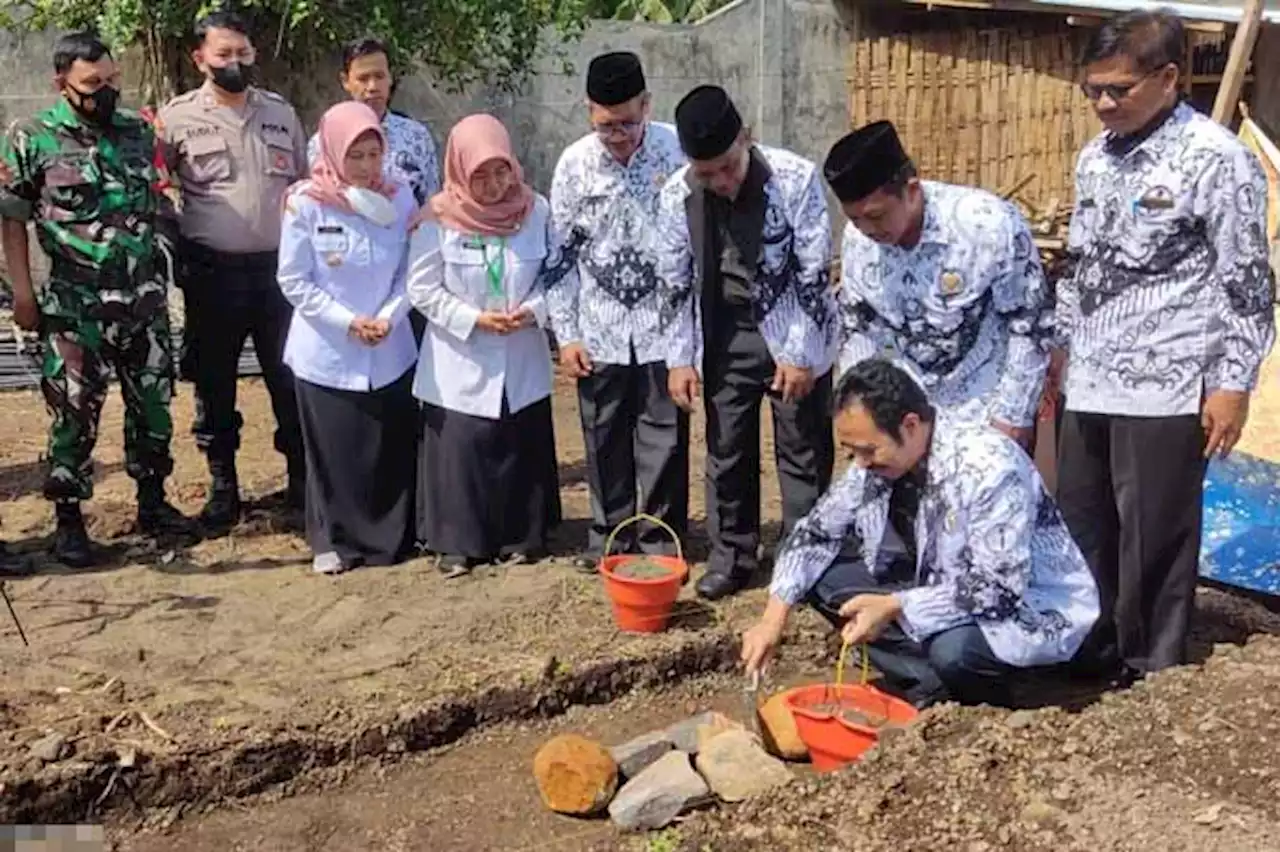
x=659, y=794
x=737, y=767
x=684, y=735
x=49, y=748
x=634, y=756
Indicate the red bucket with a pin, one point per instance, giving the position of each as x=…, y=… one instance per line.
x=835, y=741
x=643, y=604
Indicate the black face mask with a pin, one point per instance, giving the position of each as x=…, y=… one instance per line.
x=95, y=107
x=233, y=78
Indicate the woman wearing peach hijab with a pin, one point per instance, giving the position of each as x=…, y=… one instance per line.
x=343, y=256
x=488, y=485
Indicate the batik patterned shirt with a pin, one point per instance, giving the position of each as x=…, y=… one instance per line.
x=1171, y=294
x=411, y=155
x=791, y=294
x=608, y=212
x=966, y=310
x=992, y=548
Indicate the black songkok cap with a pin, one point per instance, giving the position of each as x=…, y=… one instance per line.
x=614, y=78
x=864, y=161
x=707, y=122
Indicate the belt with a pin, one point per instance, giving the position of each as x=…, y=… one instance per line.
x=190, y=250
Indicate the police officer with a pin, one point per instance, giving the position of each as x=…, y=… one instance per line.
x=235, y=149
x=83, y=171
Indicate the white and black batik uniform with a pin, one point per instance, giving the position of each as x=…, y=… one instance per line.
x=1170, y=299
x=966, y=310
x=637, y=439
x=979, y=558
x=410, y=158
x=746, y=285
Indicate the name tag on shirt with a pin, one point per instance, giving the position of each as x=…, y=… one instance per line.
x=330, y=239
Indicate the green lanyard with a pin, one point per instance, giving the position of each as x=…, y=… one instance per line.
x=496, y=268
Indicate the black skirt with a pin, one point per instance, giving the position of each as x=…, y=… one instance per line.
x=488, y=488
x=361, y=448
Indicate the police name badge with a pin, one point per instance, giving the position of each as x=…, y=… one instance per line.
x=952, y=283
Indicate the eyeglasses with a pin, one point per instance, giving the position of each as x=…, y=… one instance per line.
x=615, y=128
x=1115, y=91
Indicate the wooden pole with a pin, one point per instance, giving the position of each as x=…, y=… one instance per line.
x=1224, y=105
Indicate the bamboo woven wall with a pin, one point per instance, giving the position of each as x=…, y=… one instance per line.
x=976, y=103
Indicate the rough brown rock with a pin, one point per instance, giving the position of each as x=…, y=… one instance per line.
x=779, y=732
x=575, y=775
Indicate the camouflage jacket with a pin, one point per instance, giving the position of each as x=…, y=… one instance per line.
x=92, y=196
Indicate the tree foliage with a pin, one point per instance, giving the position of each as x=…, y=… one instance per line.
x=462, y=41
x=660, y=11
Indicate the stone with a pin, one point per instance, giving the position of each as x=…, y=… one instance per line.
x=49, y=749
x=575, y=775
x=1019, y=719
x=634, y=756
x=779, y=732
x=659, y=794
x=684, y=735
x=1040, y=812
x=737, y=767
x=706, y=733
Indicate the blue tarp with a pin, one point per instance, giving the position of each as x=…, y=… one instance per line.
x=1241, y=542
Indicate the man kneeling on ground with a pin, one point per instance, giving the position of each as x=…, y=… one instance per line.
x=939, y=547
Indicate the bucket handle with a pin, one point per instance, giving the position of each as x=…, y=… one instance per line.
x=658, y=522
x=866, y=664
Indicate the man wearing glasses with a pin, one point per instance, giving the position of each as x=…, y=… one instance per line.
x=1166, y=318
x=235, y=149
x=604, y=310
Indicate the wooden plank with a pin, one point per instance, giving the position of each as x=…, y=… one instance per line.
x=1224, y=106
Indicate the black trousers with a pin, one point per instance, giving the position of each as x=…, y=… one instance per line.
x=637, y=443
x=956, y=664
x=361, y=470
x=1130, y=490
x=738, y=374
x=230, y=298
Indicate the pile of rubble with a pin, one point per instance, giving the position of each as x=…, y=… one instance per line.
x=647, y=782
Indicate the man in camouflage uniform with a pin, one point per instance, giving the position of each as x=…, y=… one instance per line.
x=83, y=172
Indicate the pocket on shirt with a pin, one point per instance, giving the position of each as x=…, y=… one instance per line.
x=72, y=188
x=208, y=160
x=337, y=245
x=280, y=161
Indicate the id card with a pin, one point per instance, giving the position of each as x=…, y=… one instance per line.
x=330, y=239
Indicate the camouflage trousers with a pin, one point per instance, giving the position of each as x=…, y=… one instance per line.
x=80, y=354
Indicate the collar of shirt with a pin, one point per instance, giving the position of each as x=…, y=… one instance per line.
x=1120, y=148
x=608, y=161
x=64, y=116
x=210, y=101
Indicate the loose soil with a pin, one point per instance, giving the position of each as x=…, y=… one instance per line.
x=641, y=569
x=203, y=676
x=851, y=715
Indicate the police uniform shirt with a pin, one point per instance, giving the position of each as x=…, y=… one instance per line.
x=233, y=166
x=966, y=311
x=1171, y=293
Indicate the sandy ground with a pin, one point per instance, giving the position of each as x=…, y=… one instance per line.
x=234, y=640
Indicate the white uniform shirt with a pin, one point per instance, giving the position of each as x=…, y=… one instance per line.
x=335, y=266
x=993, y=549
x=1171, y=292
x=607, y=212
x=966, y=310
x=461, y=367
x=791, y=294
x=411, y=155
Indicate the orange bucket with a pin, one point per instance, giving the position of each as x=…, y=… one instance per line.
x=840, y=722
x=643, y=604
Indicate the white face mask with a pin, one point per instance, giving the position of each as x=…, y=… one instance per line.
x=374, y=206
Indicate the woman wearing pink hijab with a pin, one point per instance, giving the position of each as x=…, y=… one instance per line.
x=488, y=485
x=342, y=267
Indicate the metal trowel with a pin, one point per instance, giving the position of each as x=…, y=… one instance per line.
x=751, y=701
